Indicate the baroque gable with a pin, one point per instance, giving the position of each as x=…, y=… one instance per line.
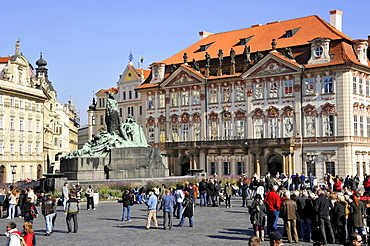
x=273, y=64
x=272, y=67
x=129, y=75
x=183, y=78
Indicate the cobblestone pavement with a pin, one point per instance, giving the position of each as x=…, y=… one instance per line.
x=213, y=226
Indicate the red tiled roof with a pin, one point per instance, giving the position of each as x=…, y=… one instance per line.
x=282, y=57
x=146, y=86
x=341, y=52
x=4, y=59
x=310, y=28
x=146, y=72
x=113, y=89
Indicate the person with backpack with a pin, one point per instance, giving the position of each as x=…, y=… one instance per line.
x=29, y=210
x=188, y=210
x=29, y=235
x=13, y=235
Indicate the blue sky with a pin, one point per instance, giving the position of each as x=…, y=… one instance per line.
x=87, y=42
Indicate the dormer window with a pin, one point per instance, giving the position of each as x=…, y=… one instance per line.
x=318, y=51
x=361, y=47
x=204, y=47
x=291, y=33
x=320, y=48
x=244, y=41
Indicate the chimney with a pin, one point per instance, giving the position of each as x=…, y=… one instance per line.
x=336, y=19
x=204, y=34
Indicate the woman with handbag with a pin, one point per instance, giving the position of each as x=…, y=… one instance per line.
x=188, y=210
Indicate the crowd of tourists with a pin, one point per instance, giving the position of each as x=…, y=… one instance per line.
x=23, y=204
x=334, y=211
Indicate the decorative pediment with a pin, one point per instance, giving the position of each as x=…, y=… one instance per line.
x=272, y=67
x=129, y=75
x=185, y=118
x=161, y=120
x=309, y=110
x=288, y=111
x=196, y=118
x=213, y=117
x=258, y=114
x=328, y=108
x=273, y=112
x=226, y=115
x=239, y=114
x=150, y=121
x=174, y=119
x=183, y=76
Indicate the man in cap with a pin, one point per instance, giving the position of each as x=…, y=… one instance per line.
x=276, y=239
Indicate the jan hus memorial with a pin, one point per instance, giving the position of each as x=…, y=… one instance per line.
x=121, y=152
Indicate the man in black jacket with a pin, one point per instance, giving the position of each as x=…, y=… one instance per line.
x=322, y=208
x=203, y=193
x=47, y=208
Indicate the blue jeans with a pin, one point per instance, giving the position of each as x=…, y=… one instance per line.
x=306, y=228
x=272, y=219
x=11, y=211
x=64, y=203
x=126, y=213
x=49, y=222
x=203, y=200
x=191, y=221
x=179, y=210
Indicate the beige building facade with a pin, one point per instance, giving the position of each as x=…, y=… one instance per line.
x=29, y=119
x=270, y=98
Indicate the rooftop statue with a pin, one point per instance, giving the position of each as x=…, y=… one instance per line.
x=118, y=135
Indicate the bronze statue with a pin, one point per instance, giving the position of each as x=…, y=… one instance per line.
x=118, y=135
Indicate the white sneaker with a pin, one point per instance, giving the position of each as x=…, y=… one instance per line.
x=8, y=218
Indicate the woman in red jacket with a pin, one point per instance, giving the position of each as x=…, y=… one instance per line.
x=337, y=186
x=29, y=235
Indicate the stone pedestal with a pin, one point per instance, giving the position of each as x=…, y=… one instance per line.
x=120, y=163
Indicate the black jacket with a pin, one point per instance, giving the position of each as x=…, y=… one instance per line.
x=340, y=213
x=47, y=207
x=323, y=205
x=202, y=187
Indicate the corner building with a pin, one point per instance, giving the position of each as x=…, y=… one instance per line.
x=290, y=96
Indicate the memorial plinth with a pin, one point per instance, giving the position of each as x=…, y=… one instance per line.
x=120, y=163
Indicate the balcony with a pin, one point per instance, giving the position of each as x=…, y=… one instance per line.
x=264, y=142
